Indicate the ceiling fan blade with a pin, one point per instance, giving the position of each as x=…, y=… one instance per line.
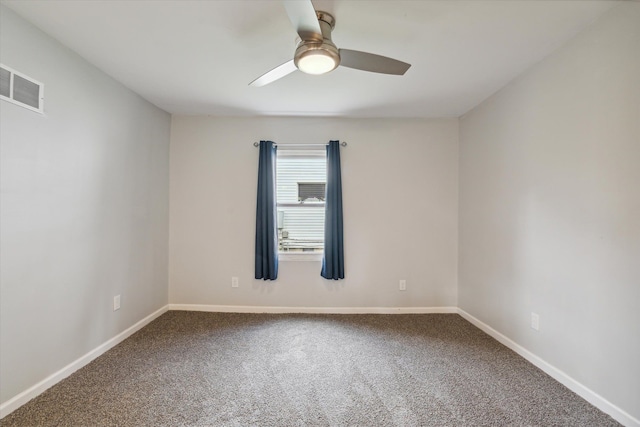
x=304, y=19
x=370, y=62
x=277, y=73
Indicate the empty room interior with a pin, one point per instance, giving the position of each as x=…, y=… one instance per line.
x=341, y=212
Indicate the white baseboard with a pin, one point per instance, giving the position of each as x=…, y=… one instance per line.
x=587, y=394
x=327, y=310
x=15, y=402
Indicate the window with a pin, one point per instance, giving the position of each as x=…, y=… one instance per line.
x=301, y=177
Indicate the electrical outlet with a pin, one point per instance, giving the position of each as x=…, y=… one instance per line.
x=535, y=321
x=116, y=303
x=234, y=282
x=403, y=285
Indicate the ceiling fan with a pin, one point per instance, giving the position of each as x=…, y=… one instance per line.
x=316, y=53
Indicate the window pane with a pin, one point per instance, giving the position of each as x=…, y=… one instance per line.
x=300, y=179
x=294, y=170
x=301, y=228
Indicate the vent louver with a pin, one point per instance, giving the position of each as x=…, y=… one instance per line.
x=21, y=90
x=311, y=191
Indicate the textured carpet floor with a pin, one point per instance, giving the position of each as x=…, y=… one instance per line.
x=215, y=369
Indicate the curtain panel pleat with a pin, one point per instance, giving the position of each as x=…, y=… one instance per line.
x=333, y=259
x=266, y=223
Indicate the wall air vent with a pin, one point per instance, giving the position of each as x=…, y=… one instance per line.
x=21, y=90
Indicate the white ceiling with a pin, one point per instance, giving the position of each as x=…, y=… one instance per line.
x=197, y=57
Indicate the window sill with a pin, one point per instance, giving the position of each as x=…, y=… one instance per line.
x=300, y=256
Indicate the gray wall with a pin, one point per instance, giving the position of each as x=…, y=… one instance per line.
x=400, y=189
x=84, y=210
x=550, y=209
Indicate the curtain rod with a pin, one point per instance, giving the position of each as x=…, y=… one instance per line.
x=343, y=143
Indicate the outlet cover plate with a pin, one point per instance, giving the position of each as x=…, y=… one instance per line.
x=535, y=321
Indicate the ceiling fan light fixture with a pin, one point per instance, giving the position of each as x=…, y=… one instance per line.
x=317, y=63
x=316, y=59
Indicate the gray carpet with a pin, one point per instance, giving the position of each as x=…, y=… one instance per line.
x=215, y=369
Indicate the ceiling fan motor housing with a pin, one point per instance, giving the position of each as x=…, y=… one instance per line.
x=319, y=48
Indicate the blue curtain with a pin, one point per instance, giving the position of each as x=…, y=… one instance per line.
x=266, y=223
x=333, y=260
